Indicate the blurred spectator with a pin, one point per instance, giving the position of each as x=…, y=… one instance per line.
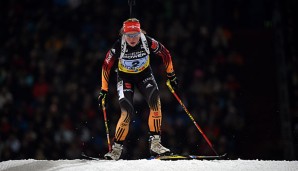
x=50, y=56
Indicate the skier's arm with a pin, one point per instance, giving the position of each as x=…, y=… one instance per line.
x=106, y=69
x=164, y=53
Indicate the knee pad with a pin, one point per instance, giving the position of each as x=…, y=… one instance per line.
x=154, y=100
x=127, y=106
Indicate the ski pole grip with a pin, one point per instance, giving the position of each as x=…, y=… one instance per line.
x=170, y=87
x=103, y=103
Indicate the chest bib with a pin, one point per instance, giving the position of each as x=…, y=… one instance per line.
x=136, y=61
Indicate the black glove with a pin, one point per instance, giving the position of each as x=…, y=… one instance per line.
x=102, y=96
x=173, y=80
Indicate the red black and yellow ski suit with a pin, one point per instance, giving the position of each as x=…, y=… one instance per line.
x=134, y=71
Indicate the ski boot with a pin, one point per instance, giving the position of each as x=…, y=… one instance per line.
x=156, y=149
x=115, y=153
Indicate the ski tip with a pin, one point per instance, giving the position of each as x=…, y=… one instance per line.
x=189, y=157
x=224, y=155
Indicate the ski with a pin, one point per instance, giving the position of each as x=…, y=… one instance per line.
x=170, y=157
x=92, y=158
x=189, y=157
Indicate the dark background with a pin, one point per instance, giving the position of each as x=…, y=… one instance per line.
x=236, y=61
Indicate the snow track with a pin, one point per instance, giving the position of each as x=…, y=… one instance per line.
x=148, y=165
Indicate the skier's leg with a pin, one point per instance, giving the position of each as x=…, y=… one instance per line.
x=150, y=90
x=155, y=116
x=122, y=127
x=125, y=94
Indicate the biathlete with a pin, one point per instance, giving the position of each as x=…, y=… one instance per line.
x=131, y=52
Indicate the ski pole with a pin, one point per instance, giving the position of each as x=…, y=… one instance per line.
x=190, y=116
x=106, y=123
x=131, y=4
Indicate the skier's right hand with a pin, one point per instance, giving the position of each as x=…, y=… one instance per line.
x=101, y=97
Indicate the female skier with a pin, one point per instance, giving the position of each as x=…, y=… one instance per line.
x=131, y=52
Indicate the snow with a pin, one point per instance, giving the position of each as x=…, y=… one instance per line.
x=148, y=165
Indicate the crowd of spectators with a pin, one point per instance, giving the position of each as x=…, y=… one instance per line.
x=51, y=55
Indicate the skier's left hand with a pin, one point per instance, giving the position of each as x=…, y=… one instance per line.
x=173, y=81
